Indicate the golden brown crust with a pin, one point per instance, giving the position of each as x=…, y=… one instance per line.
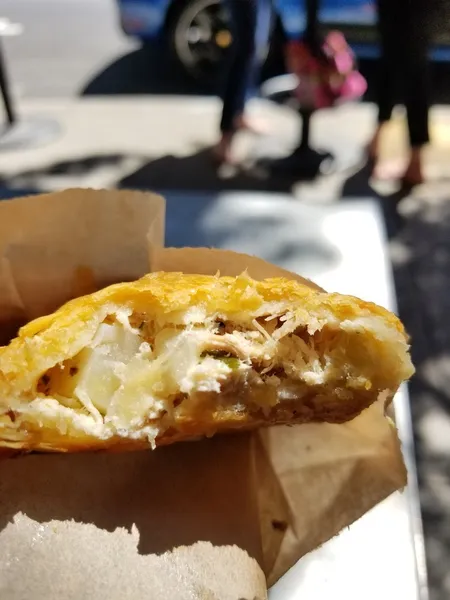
x=52, y=339
x=165, y=293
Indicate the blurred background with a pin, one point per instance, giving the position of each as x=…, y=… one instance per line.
x=128, y=93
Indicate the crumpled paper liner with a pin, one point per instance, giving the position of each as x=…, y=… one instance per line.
x=174, y=523
x=189, y=521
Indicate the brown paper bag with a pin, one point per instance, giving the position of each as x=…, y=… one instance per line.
x=175, y=523
x=188, y=521
x=314, y=479
x=180, y=523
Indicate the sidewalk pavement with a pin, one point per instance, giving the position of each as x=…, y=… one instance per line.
x=163, y=143
x=104, y=140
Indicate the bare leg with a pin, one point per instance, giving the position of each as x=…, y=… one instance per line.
x=373, y=147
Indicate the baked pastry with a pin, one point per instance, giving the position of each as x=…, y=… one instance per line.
x=173, y=356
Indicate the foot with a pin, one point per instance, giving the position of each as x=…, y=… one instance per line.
x=389, y=170
x=372, y=148
x=221, y=153
x=258, y=127
x=410, y=174
x=413, y=174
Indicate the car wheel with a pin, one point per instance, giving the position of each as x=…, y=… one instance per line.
x=200, y=37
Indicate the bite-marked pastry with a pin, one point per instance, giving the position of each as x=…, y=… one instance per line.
x=174, y=357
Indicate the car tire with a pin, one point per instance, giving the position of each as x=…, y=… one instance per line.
x=180, y=20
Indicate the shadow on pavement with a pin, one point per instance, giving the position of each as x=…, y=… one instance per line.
x=197, y=172
x=69, y=172
x=147, y=70
x=151, y=70
x=79, y=166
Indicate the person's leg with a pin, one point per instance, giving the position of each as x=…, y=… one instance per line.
x=243, y=22
x=264, y=17
x=387, y=15
x=243, y=15
x=416, y=88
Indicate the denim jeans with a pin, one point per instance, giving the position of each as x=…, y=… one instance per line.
x=250, y=26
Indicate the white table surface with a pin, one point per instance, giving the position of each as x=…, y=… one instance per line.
x=342, y=247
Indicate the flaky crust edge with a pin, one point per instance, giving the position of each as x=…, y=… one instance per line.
x=54, y=337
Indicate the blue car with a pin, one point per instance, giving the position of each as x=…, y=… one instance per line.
x=198, y=33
